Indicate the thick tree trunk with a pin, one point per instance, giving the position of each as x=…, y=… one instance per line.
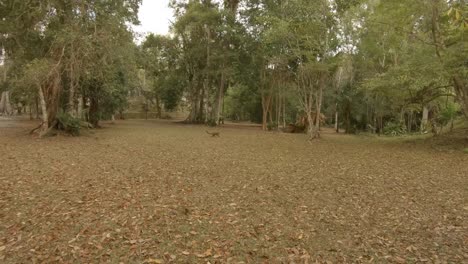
x=5, y=105
x=45, y=117
x=460, y=86
x=311, y=131
x=425, y=119
x=201, y=113
x=36, y=106
x=194, y=106
x=79, y=111
x=158, y=107
x=264, y=120
x=266, y=100
x=461, y=89
x=2, y=103
x=94, y=112
x=270, y=115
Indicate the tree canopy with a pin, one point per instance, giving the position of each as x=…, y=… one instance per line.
x=362, y=64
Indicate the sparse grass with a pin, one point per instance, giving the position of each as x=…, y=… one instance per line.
x=157, y=191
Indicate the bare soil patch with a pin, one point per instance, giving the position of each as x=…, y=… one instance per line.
x=158, y=192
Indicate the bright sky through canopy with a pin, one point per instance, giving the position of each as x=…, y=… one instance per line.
x=155, y=17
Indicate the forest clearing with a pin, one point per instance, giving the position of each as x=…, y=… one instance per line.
x=234, y=131
x=151, y=192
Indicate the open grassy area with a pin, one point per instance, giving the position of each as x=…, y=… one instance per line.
x=160, y=192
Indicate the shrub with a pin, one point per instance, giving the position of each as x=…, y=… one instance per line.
x=211, y=122
x=272, y=125
x=394, y=129
x=68, y=123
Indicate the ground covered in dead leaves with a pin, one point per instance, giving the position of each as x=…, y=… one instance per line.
x=159, y=192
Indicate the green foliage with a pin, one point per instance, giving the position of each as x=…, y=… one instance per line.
x=394, y=129
x=243, y=103
x=373, y=60
x=272, y=126
x=211, y=123
x=171, y=91
x=448, y=113
x=68, y=123
x=63, y=47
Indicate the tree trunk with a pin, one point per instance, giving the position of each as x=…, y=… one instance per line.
x=284, y=111
x=374, y=118
x=425, y=119
x=461, y=88
x=79, y=111
x=337, y=129
x=30, y=112
x=207, y=82
x=270, y=114
x=264, y=120
x=2, y=103
x=5, y=105
x=266, y=100
x=410, y=121
x=94, y=112
x=45, y=118
x=462, y=92
x=158, y=107
x=219, y=102
x=311, y=128
x=315, y=133
x=194, y=102
x=201, y=107
x=71, y=92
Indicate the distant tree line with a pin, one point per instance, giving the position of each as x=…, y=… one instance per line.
x=363, y=65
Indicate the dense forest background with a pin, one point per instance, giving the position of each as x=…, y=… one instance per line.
x=390, y=67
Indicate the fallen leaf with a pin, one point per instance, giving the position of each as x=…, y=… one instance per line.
x=206, y=254
x=400, y=260
x=157, y=261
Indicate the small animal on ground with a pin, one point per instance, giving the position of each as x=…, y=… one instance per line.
x=213, y=134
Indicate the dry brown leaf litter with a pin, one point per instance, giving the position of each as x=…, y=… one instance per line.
x=157, y=192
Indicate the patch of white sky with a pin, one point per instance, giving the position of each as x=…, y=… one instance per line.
x=155, y=17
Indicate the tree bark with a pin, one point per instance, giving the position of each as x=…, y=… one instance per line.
x=266, y=100
x=462, y=91
x=94, y=112
x=460, y=86
x=45, y=117
x=219, y=103
x=337, y=129
x=284, y=111
x=425, y=118
x=158, y=107
x=79, y=111
x=5, y=104
x=318, y=103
